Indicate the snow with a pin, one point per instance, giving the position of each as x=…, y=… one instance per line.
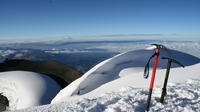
x=117, y=85
x=112, y=69
x=182, y=97
x=27, y=89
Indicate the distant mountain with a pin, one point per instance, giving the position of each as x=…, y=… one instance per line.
x=63, y=74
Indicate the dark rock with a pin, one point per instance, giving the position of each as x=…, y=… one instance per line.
x=3, y=102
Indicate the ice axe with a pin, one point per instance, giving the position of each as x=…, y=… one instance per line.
x=164, y=90
x=146, y=71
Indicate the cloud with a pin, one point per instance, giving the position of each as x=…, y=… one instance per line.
x=115, y=35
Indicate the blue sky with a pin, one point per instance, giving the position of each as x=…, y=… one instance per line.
x=42, y=19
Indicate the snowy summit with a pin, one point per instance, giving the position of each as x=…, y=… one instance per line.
x=117, y=85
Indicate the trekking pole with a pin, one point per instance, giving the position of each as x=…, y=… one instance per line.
x=155, y=55
x=164, y=90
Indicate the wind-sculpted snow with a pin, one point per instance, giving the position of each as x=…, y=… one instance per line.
x=110, y=69
x=181, y=97
x=27, y=89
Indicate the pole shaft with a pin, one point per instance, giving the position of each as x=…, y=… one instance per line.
x=154, y=72
x=152, y=79
x=164, y=90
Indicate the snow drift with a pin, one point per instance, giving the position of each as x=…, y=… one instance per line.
x=27, y=89
x=182, y=97
x=131, y=64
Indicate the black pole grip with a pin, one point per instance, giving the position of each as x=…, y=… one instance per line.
x=149, y=99
x=164, y=92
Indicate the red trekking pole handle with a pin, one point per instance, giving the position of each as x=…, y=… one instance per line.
x=152, y=78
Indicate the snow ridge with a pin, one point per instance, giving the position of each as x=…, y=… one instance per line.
x=109, y=70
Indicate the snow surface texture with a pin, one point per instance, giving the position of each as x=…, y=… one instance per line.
x=111, y=70
x=181, y=97
x=27, y=89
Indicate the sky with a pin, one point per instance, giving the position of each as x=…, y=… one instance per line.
x=57, y=19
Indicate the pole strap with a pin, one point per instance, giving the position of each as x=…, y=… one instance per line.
x=146, y=70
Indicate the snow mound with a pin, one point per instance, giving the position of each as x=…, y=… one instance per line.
x=27, y=89
x=181, y=97
x=109, y=70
